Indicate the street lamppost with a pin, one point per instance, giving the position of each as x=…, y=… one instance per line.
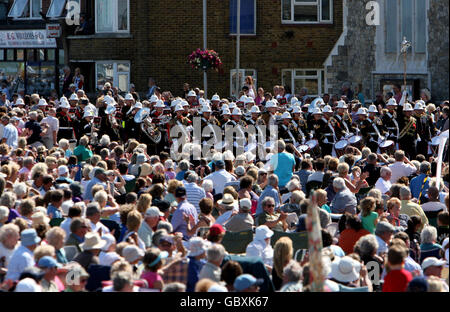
x=238, y=45
x=405, y=46
x=205, y=78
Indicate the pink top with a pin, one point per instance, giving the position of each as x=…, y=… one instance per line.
x=151, y=278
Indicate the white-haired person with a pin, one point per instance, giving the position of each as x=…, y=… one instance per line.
x=9, y=242
x=65, y=146
x=384, y=181
x=214, y=255
x=208, y=187
x=292, y=185
x=169, y=170
x=82, y=151
x=344, y=201
x=428, y=246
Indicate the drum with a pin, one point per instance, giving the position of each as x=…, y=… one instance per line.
x=435, y=145
x=356, y=141
x=387, y=147
x=304, y=149
x=340, y=147
x=314, y=147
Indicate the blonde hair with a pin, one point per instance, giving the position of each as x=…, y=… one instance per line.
x=134, y=220
x=50, y=160
x=144, y=202
x=343, y=168
x=172, y=186
x=44, y=250
x=54, y=234
x=282, y=254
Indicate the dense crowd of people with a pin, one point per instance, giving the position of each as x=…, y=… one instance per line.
x=93, y=197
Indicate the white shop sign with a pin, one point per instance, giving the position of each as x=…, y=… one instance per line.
x=26, y=39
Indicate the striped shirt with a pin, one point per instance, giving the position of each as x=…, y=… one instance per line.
x=194, y=194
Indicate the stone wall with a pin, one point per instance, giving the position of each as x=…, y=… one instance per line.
x=438, y=49
x=356, y=58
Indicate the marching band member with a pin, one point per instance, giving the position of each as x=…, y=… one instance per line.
x=344, y=120
x=425, y=128
x=300, y=123
x=408, y=136
x=390, y=122
x=329, y=135
x=377, y=126
x=65, y=122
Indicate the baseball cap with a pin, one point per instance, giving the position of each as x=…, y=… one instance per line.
x=245, y=204
x=180, y=191
x=166, y=238
x=216, y=229
x=245, y=281
x=99, y=171
x=48, y=262
x=432, y=261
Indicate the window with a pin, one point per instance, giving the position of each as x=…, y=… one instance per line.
x=115, y=72
x=405, y=18
x=57, y=8
x=306, y=11
x=242, y=74
x=26, y=9
x=311, y=79
x=112, y=16
x=248, y=17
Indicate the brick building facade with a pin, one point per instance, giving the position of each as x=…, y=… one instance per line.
x=163, y=33
x=316, y=46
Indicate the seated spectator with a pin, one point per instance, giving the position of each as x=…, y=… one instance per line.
x=22, y=257
x=292, y=277
x=91, y=249
x=79, y=227
x=369, y=217
x=273, y=220
x=394, y=217
x=153, y=261
x=433, y=204
x=443, y=226
x=428, y=246
x=384, y=181
x=344, y=201
x=432, y=267
x=260, y=246
x=306, y=169
x=350, y=236
x=383, y=232
x=410, y=208
x=211, y=269
x=243, y=221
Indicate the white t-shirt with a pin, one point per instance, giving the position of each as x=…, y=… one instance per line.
x=383, y=185
x=53, y=123
x=400, y=169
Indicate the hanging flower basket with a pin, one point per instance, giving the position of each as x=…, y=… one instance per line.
x=204, y=60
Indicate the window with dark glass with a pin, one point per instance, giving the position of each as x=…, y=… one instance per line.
x=248, y=17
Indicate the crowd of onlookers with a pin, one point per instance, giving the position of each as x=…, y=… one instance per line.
x=111, y=217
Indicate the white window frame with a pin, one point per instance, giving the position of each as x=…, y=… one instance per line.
x=115, y=21
x=30, y=8
x=399, y=28
x=320, y=75
x=241, y=83
x=254, y=22
x=63, y=8
x=116, y=72
x=312, y=2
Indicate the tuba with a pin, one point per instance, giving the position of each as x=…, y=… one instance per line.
x=143, y=118
x=150, y=130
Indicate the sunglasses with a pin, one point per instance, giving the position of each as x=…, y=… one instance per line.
x=270, y=205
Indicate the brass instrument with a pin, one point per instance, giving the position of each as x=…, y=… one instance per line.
x=114, y=124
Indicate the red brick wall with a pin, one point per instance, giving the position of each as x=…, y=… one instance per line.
x=164, y=33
